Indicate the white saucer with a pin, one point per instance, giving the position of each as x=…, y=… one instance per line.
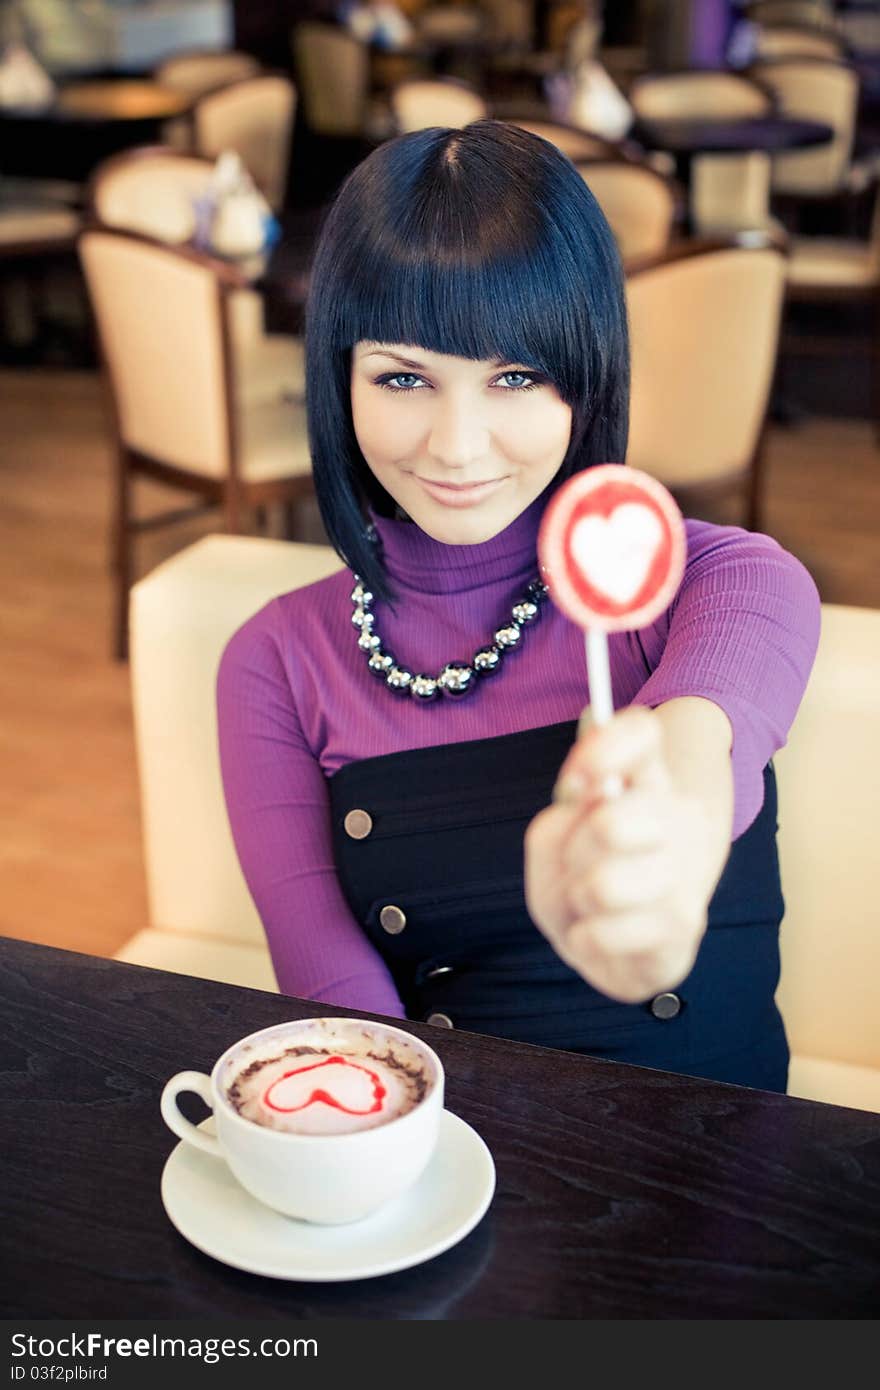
x=211, y=1210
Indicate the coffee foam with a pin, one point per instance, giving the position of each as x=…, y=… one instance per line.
x=320, y=1079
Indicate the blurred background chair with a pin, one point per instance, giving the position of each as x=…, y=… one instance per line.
x=333, y=78
x=817, y=89
x=797, y=41
x=780, y=12
x=834, y=272
x=640, y=204
x=153, y=191
x=163, y=321
x=442, y=101
x=682, y=96
x=253, y=117
x=576, y=143
x=202, y=918
x=36, y=236
x=704, y=324
x=194, y=73
x=830, y=876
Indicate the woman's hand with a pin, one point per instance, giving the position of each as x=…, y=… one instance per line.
x=620, y=885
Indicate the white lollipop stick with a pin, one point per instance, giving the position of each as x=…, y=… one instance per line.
x=601, y=699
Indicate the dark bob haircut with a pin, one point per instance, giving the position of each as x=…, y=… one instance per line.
x=482, y=242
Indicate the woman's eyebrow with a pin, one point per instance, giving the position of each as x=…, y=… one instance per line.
x=420, y=366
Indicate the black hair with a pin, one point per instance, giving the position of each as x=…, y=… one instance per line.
x=482, y=242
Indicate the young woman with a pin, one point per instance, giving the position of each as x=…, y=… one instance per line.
x=422, y=831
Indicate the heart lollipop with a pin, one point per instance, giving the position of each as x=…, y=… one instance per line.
x=611, y=549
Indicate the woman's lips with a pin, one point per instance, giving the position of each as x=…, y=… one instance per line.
x=459, y=494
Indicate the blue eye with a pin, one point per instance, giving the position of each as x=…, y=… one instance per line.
x=518, y=381
x=400, y=381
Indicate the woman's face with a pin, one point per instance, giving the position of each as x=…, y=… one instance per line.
x=463, y=447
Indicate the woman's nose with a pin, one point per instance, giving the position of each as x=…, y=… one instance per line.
x=459, y=434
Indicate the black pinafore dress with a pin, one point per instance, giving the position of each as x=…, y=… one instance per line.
x=429, y=850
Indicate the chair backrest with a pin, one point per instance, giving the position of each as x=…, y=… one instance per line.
x=814, y=12
x=704, y=325
x=797, y=41
x=195, y=73
x=639, y=203
x=151, y=190
x=255, y=118
x=818, y=90
x=699, y=96
x=423, y=102
x=161, y=319
x=333, y=74
x=576, y=143
x=182, y=615
x=830, y=986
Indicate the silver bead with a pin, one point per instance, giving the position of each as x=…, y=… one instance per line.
x=369, y=641
x=361, y=596
x=399, y=679
x=525, y=612
x=362, y=619
x=380, y=663
x=456, y=679
x=537, y=590
x=424, y=688
x=487, y=661
x=507, y=637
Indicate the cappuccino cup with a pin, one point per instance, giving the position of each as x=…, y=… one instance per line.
x=323, y=1119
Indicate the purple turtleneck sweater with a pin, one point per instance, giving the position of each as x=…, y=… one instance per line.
x=296, y=703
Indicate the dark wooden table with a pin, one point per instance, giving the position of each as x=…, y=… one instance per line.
x=686, y=138
x=86, y=123
x=622, y=1192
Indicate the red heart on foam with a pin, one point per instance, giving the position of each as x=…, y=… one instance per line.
x=343, y=1084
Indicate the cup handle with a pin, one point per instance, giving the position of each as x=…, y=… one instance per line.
x=189, y=1081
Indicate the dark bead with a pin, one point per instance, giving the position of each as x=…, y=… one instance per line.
x=379, y=662
x=525, y=612
x=537, y=590
x=399, y=680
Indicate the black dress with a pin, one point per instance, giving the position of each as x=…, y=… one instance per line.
x=433, y=870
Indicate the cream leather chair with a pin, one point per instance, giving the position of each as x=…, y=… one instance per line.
x=682, y=96
x=163, y=321
x=195, y=72
x=830, y=987
x=152, y=191
x=816, y=89
x=639, y=203
x=704, y=324
x=253, y=117
x=576, y=143
x=441, y=101
x=202, y=918
x=333, y=74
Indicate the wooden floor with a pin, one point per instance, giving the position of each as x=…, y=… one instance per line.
x=70, y=850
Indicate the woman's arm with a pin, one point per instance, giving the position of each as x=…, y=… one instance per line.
x=621, y=887
x=278, y=806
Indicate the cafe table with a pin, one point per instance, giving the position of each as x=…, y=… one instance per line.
x=85, y=123
x=621, y=1192
x=685, y=139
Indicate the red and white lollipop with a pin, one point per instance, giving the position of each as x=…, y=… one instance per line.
x=611, y=550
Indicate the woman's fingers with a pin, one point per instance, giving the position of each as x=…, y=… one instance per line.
x=632, y=823
x=630, y=746
x=620, y=883
x=628, y=957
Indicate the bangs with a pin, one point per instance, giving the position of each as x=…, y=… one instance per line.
x=456, y=255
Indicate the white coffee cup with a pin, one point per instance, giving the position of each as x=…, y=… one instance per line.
x=325, y=1178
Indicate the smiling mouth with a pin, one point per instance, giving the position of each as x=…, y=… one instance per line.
x=459, y=494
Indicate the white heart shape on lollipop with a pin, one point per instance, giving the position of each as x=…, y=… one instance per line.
x=334, y=1082
x=615, y=552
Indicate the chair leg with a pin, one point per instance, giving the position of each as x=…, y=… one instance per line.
x=122, y=556
x=755, y=493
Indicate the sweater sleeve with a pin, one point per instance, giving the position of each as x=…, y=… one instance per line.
x=743, y=632
x=278, y=807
